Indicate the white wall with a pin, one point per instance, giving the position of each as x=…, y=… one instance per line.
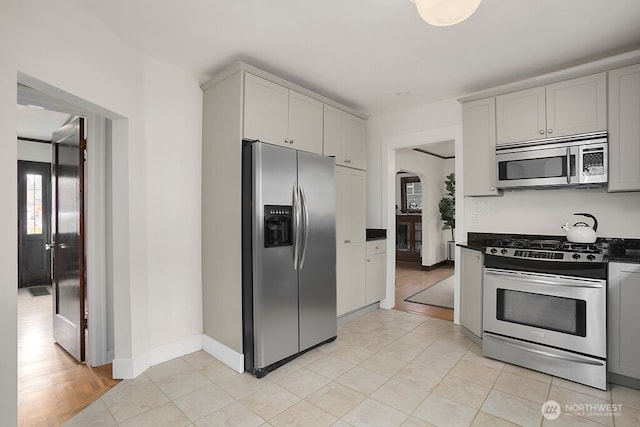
x=173, y=128
x=400, y=124
x=89, y=64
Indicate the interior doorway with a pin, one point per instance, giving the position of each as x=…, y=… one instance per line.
x=423, y=277
x=40, y=361
x=43, y=108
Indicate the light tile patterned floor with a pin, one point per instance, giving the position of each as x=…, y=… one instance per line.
x=387, y=368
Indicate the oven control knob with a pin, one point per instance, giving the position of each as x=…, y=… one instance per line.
x=503, y=251
x=494, y=250
x=591, y=257
x=576, y=256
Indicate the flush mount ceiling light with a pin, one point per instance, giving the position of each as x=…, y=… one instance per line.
x=445, y=12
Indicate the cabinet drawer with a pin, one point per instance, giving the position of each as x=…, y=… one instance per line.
x=376, y=247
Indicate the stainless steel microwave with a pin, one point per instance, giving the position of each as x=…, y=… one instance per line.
x=571, y=161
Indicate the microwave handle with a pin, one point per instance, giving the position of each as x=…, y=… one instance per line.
x=568, y=165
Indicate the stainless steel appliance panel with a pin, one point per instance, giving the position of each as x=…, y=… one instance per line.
x=317, y=266
x=549, y=286
x=567, y=161
x=275, y=282
x=556, y=166
x=563, y=364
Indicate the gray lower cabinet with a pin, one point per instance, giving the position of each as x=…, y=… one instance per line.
x=375, y=271
x=624, y=319
x=471, y=270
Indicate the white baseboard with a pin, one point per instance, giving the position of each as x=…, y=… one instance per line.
x=131, y=368
x=223, y=353
x=343, y=318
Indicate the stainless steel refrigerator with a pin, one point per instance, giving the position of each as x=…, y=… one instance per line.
x=288, y=254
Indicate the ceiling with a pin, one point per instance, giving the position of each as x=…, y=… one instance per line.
x=375, y=56
x=363, y=52
x=34, y=122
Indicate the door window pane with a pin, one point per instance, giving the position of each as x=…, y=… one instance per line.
x=402, y=236
x=34, y=204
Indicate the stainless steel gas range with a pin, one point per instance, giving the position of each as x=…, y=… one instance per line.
x=545, y=308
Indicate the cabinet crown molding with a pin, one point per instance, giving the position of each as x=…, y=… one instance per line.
x=244, y=67
x=593, y=67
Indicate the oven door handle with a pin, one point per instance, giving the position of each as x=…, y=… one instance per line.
x=542, y=280
x=523, y=347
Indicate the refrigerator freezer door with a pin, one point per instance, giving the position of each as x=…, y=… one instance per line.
x=317, y=275
x=275, y=282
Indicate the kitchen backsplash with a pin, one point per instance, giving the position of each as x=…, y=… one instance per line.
x=543, y=212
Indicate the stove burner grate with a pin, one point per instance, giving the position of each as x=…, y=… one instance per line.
x=590, y=248
x=549, y=245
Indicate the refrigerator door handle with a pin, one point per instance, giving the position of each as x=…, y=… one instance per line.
x=305, y=223
x=296, y=225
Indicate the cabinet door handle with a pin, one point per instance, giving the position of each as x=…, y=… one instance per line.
x=347, y=241
x=550, y=131
x=347, y=161
x=541, y=131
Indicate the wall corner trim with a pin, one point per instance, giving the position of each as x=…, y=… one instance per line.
x=223, y=353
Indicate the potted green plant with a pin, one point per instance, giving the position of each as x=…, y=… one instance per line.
x=447, y=208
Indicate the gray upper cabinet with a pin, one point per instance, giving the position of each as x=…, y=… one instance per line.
x=479, y=145
x=266, y=110
x=624, y=129
x=565, y=108
x=624, y=319
x=281, y=116
x=344, y=138
x=521, y=116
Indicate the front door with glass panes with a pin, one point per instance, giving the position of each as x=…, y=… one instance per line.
x=34, y=223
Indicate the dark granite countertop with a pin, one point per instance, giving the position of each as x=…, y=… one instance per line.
x=630, y=255
x=475, y=247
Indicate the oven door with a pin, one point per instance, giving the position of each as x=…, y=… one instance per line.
x=564, y=312
x=534, y=166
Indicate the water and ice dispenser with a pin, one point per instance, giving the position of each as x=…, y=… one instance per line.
x=277, y=226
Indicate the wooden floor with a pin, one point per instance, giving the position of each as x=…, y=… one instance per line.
x=410, y=278
x=52, y=386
